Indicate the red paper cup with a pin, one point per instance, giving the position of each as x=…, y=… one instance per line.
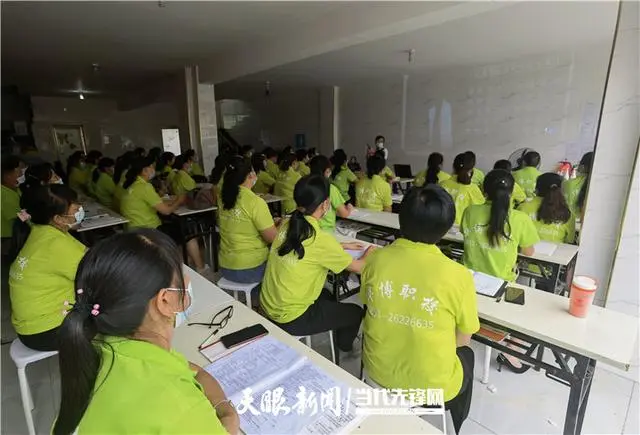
x=583, y=289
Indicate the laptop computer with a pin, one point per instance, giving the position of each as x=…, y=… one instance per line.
x=403, y=171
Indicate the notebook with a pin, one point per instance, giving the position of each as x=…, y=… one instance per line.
x=488, y=285
x=266, y=366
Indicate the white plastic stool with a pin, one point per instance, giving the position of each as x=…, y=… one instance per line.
x=236, y=287
x=23, y=356
x=307, y=341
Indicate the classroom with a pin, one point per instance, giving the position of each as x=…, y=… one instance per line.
x=375, y=217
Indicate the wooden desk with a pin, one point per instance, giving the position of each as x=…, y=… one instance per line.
x=544, y=323
x=187, y=338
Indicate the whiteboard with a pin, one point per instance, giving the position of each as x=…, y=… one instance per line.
x=171, y=140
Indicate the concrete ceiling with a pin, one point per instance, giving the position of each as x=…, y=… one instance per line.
x=520, y=29
x=50, y=46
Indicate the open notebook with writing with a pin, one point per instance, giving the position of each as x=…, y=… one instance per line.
x=488, y=285
x=267, y=364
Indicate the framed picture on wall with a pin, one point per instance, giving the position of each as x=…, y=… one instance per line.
x=68, y=138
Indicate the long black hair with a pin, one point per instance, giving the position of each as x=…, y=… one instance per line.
x=122, y=164
x=433, y=168
x=219, y=167
x=103, y=164
x=164, y=160
x=93, y=157
x=286, y=160
x=338, y=159
x=42, y=203
x=319, y=165
x=463, y=167
x=257, y=162
x=74, y=161
x=586, y=163
x=136, y=169
x=121, y=274
x=554, y=208
x=238, y=169
x=37, y=175
x=180, y=161
x=426, y=214
x=309, y=193
x=375, y=165
x=498, y=186
x=154, y=153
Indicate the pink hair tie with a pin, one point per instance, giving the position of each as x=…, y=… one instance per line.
x=95, y=311
x=79, y=291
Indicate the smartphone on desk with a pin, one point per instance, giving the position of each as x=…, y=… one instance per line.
x=514, y=295
x=243, y=335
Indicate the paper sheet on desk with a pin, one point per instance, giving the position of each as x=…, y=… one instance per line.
x=267, y=366
x=487, y=285
x=545, y=248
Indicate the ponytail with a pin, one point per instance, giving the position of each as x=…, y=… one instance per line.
x=554, y=208
x=137, y=166
x=338, y=159
x=585, y=166
x=463, y=168
x=122, y=164
x=219, y=167
x=237, y=171
x=498, y=186
x=79, y=367
x=433, y=168
x=310, y=192
x=285, y=161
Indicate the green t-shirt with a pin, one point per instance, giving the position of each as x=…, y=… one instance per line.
x=264, y=183
x=518, y=195
x=104, y=189
x=291, y=284
x=571, y=189
x=387, y=174
x=78, y=180
x=196, y=169
x=477, y=177
x=138, y=205
x=373, y=193
x=499, y=260
x=463, y=195
x=416, y=298
x=42, y=278
x=182, y=183
x=9, y=208
x=421, y=178
x=328, y=222
x=557, y=232
x=303, y=169
x=273, y=169
x=284, y=186
x=343, y=179
x=241, y=245
x=144, y=389
x=526, y=178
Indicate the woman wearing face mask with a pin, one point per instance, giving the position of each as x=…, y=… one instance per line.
x=10, y=199
x=264, y=182
x=117, y=370
x=246, y=225
x=292, y=293
x=194, y=168
x=141, y=204
x=103, y=185
x=182, y=182
x=45, y=258
x=78, y=176
x=380, y=140
x=40, y=175
x=320, y=165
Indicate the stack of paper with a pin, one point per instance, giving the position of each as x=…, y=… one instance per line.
x=285, y=388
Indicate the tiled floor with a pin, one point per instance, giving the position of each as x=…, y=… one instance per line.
x=515, y=404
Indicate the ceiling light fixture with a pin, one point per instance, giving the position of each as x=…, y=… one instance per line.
x=411, y=53
x=81, y=96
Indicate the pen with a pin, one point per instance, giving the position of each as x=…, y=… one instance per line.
x=203, y=344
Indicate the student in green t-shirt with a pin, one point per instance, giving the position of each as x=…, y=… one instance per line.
x=10, y=199
x=341, y=175
x=195, y=169
x=302, y=254
x=477, y=176
x=421, y=307
x=518, y=196
x=527, y=175
x=461, y=187
x=575, y=190
x=320, y=165
x=91, y=161
x=303, y=158
x=493, y=235
x=118, y=371
x=286, y=181
x=373, y=192
x=44, y=262
x=102, y=181
x=182, y=183
x=434, y=173
x=264, y=182
x=246, y=226
x=77, y=172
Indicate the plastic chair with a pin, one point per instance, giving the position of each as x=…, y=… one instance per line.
x=236, y=287
x=22, y=356
x=307, y=341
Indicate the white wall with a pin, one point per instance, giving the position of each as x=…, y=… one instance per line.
x=548, y=102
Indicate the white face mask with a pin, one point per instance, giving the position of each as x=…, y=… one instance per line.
x=326, y=210
x=152, y=175
x=21, y=179
x=380, y=144
x=181, y=316
x=79, y=217
x=59, y=181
